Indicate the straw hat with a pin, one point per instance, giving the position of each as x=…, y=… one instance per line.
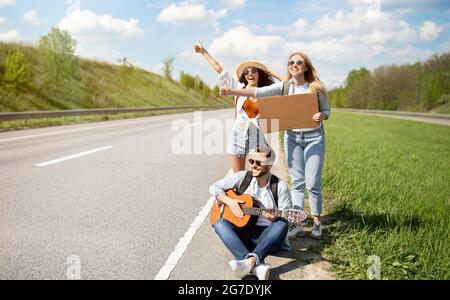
x=250, y=64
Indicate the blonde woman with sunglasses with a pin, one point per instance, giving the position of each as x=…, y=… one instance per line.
x=245, y=133
x=305, y=148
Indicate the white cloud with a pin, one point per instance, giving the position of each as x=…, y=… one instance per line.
x=185, y=13
x=2, y=20
x=85, y=23
x=364, y=35
x=240, y=42
x=31, y=17
x=101, y=52
x=7, y=2
x=11, y=36
x=233, y=3
x=158, y=69
x=429, y=31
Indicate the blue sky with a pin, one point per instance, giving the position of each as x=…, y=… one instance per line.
x=338, y=35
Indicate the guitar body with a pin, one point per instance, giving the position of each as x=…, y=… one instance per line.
x=223, y=211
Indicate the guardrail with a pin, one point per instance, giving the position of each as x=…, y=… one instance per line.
x=91, y=112
x=390, y=112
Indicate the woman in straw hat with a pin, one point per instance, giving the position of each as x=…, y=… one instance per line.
x=305, y=148
x=245, y=134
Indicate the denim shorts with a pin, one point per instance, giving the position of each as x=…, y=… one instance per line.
x=242, y=140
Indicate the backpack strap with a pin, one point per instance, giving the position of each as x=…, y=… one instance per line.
x=286, y=86
x=246, y=183
x=274, y=188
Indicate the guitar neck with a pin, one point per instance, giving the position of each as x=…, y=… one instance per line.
x=253, y=211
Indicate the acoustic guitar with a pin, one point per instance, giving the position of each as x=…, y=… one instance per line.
x=252, y=212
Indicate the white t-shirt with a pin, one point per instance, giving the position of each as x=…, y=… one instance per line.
x=264, y=195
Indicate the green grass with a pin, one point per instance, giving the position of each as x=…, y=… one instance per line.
x=443, y=109
x=94, y=84
x=388, y=185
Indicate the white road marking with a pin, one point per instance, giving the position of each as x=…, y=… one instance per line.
x=70, y=131
x=162, y=118
x=183, y=243
x=195, y=124
x=45, y=164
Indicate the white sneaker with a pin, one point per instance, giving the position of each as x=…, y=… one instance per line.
x=240, y=268
x=261, y=271
x=317, y=230
x=296, y=230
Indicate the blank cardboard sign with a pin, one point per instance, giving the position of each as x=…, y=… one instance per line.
x=283, y=113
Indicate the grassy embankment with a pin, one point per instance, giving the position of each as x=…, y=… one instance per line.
x=386, y=184
x=94, y=84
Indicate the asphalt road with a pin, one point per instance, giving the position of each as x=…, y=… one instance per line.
x=113, y=214
x=115, y=206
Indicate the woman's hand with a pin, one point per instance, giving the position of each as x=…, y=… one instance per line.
x=199, y=48
x=319, y=117
x=225, y=91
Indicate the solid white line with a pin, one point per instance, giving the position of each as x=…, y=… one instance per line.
x=183, y=243
x=45, y=164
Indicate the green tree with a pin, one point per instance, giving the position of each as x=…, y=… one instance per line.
x=58, y=52
x=216, y=91
x=356, y=75
x=206, y=92
x=187, y=80
x=168, y=67
x=127, y=69
x=16, y=70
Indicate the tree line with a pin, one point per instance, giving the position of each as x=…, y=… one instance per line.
x=196, y=83
x=411, y=87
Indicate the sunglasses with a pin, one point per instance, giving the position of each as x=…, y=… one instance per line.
x=250, y=70
x=298, y=63
x=257, y=162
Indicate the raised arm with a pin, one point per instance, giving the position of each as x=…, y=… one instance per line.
x=211, y=60
x=248, y=92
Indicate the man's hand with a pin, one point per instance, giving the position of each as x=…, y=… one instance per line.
x=269, y=216
x=235, y=207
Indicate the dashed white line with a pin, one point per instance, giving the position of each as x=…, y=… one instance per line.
x=45, y=164
x=195, y=124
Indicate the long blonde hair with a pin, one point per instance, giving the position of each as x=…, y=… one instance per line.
x=311, y=75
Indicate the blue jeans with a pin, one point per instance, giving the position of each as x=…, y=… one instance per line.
x=255, y=241
x=305, y=153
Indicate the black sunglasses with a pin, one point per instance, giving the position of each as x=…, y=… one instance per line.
x=257, y=162
x=250, y=70
x=298, y=63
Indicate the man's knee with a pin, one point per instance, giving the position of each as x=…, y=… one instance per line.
x=280, y=226
x=222, y=225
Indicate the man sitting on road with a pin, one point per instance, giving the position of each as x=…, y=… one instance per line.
x=252, y=244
